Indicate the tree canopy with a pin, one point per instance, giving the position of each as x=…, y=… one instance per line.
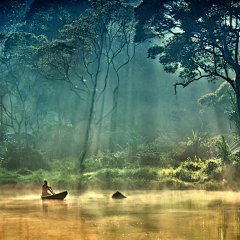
x=201, y=39
x=90, y=48
x=62, y=46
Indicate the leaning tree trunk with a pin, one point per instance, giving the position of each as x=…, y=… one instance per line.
x=88, y=130
x=113, y=126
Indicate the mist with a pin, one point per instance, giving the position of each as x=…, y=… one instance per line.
x=138, y=98
x=85, y=99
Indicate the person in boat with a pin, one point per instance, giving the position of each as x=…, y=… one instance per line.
x=46, y=188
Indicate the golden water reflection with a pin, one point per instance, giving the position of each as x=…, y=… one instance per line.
x=161, y=215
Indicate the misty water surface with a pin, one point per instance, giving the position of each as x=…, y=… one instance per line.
x=143, y=215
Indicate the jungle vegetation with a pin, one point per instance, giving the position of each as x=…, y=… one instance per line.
x=80, y=104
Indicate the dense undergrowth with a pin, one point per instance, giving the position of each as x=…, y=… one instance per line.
x=199, y=163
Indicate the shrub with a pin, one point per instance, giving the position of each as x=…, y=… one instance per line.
x=148, y=155
x=64, y=165
x=191, y=170
x=107, y=174
x=106, y=159
x=236, y=168
x=14, y=158
x=214, y=185
x=7, y=177
x=144, y=173
x=212, y=165
x=33, y=177
x=217, y=174
x=120, y=178
x=223, y=150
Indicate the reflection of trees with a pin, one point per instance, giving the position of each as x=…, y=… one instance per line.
x=238, y=223
x=223, y=227
x=92, y=51
x=57, y=206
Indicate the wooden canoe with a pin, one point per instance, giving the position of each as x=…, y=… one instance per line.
x=58, y=196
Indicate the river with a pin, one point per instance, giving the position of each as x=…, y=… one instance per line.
x=142, y=215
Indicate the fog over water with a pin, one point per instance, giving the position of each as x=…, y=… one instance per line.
x=142, y=215
x=84, y=107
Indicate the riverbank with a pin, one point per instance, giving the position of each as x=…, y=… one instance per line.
x=144, y=178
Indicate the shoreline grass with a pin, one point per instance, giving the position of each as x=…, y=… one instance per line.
x=112, y=179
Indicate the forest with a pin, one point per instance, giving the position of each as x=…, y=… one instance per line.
x=120, y=94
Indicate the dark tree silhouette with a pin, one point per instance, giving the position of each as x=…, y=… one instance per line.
x=201, y=40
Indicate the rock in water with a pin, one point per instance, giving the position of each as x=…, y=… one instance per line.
x=118, y=195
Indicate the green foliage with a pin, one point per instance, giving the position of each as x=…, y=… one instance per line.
x=233, y=113
x=114, y=178
x=236, y=168
x=175, y=184
x=33, y=177
x=142, y=173
x=107, y=174
x=223, y=150
x=223, y=100
x=63, y=173
x=187, y=52
x=65, y=164
x=214, y=169
x=214, y=185
x=219, y=98
x=110, y=178
x=192, y=171
x=208, y=100
x=106, y=159
x=164, y=152
x=201, y=145
x=212, y=165
x=8, y=177
x=149, y=166
x=193, y=53
x=148, y=155
x=14, y=157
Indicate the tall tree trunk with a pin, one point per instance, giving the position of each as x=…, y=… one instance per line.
x=113, y=126
x=87, y=138
x=99, y=129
